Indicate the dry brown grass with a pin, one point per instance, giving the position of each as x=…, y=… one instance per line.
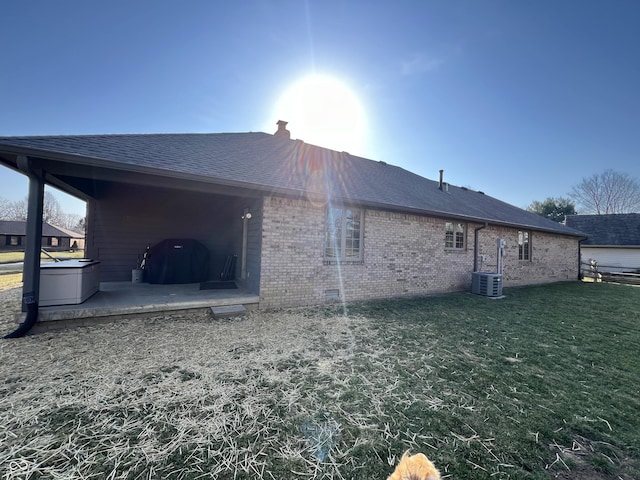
x=10, y=301
x=528, y=388
x=179, y=397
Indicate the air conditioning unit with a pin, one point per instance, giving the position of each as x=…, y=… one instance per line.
x=487, y=284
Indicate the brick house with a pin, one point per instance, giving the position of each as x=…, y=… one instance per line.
x=13, y=233
x=308, y=224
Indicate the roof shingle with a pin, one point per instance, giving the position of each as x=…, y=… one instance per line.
x=616, y=229
x=272, y=163
x=19, y=228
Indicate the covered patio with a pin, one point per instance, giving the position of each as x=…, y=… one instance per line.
x=140, y=193
x=116, y=300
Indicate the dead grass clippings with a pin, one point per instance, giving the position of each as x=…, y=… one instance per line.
x=10, y=302
x=185, y=395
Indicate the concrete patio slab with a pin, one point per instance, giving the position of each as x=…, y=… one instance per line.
x=125, y=298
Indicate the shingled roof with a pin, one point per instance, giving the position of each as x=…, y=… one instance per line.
x=617, y=229
x=19, y=228
x=270, y=163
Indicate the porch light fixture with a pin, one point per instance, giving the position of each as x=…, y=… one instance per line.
x=246, y=216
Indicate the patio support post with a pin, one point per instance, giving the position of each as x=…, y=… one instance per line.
x=243, y=261
x=31, y=269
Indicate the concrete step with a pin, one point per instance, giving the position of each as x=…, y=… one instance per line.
x=228, y=310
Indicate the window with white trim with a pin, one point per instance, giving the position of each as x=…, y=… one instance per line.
x=343, y=234
x=455, y=236
x=524, y=245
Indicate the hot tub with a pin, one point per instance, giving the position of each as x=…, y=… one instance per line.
x=69, y=282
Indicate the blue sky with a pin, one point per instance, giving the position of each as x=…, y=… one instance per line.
x=516, y=98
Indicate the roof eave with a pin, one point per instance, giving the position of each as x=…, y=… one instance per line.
x=629, y=247
x=96, y=162
x=466, y=218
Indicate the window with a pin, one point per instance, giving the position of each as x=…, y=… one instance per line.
x=455, y=235
x=13, y=240
x=343, y=235
x=524, y=245
x=53, y=241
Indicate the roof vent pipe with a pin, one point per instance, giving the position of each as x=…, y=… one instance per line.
x=282, y=129
x=441, y=176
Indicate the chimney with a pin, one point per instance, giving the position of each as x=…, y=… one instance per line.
x=282, y=129
x=441, y=175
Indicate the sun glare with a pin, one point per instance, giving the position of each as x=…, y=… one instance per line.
x=323, y=111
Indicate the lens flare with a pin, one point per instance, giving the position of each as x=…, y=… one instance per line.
x=323, y=111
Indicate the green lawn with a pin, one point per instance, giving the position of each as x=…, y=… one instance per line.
x=544, y=383
x=547, y=376
x=13, y=257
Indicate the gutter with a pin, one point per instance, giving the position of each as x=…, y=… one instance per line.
x=580, y=257
x=31, y=268
x=30, y=320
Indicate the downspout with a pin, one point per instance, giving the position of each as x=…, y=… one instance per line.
x=580, y=277
x=475, y=245
x=31, y=266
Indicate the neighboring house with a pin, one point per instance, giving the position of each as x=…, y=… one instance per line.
x=76, y=239
x=13, y=233
x=323, y=225
x=613, y=240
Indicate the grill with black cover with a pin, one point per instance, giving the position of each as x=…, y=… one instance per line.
x=177, y=261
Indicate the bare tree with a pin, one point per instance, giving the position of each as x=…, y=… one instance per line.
x=607, y=192
x=51, y=211
x=72, y=221
x=18, y=210
x=5, y=209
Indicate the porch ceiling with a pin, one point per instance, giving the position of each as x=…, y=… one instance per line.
x=88, y=181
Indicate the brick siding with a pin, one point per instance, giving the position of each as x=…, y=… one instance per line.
x=404, y=255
